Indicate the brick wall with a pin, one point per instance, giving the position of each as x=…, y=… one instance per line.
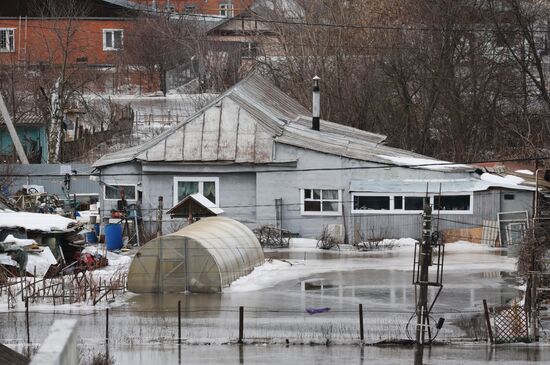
x=42, y=40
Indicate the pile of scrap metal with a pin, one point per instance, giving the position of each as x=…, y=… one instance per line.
x=32, y=198
x=44, y=245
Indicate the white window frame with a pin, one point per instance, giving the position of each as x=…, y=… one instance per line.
x=226, y=10
x=392, y=209
x=200, y=179
x=112, y=32
x=470, y=211
x=116, y=184
x=10, y=40
x=302, y=202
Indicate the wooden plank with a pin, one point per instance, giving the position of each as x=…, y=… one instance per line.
x=246, y=137
x=462, y=234
x=174, y=145
x=489, y=235
x=210, y=133
x=227, y=145
x=192, y=139
x=263, y=146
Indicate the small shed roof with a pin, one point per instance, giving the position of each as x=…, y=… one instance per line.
x=26, y=119
x=198, y=204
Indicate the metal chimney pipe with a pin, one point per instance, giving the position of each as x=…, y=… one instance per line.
x=316, y=104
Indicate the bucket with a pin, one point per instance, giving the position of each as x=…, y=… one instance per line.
x=113, y=236
x=91, y=237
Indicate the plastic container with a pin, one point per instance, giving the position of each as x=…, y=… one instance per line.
x=91, y=237
x=113, y=236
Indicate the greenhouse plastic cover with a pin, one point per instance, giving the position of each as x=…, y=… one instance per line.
x=205, y=256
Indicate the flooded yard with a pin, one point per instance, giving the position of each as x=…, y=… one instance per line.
x=143, y=329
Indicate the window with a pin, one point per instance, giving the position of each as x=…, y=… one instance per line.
x=388, y=203
x=371, y=203
x=112, y=39
x=249, y=50
x=452, y=202
x=397, y=202
x=321, y=202
x=509, y=197
x=7, y=43
x=414, y=203
x=189, y=9
x=207, y=186
x=226, y=10
x=114, y=192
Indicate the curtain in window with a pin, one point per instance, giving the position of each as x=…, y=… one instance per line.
x=186, y=188
x=209, y=191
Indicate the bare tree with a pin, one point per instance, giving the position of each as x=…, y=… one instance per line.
x=430, y=75
x=158, y=44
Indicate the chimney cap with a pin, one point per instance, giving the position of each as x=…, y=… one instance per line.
x=316, y=78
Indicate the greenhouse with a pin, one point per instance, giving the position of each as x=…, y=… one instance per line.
x=203, y=257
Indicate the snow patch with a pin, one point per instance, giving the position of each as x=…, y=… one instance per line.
x=525, y=172
x=509, y=180
x=425, y=163
x=35, y=221
x=39, y=260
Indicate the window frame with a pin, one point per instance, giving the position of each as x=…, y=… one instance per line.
x=249, y=50
x=320, y=213
x=227, y=9
x=112, y=31
x=115, y=184
x=392, y=209
x=200, y=180
x=10, y=45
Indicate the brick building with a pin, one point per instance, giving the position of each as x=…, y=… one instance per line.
x=90, y=33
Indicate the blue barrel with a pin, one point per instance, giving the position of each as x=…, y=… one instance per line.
x=91, y=237
x=113, y=236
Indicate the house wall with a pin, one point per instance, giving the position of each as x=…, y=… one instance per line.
x=248, y=195
x=38, y=40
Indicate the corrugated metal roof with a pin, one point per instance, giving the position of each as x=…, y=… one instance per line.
x=27, y=119
x=432, y=186
x=242, y=124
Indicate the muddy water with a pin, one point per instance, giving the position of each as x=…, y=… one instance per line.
x=144, y=329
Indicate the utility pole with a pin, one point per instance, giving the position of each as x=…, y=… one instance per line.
x=424, y=263
x=13, y=133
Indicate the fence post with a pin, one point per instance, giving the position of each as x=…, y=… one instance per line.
x=27, y=319
x=361, y=332
x=241, y=324
x=159, y=217
x=179, y=322
x=107, y=326
x=488, y=320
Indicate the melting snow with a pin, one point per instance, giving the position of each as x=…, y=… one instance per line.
x=34, y=221
x=525, y=172
x=425, y=163
x=503, y=180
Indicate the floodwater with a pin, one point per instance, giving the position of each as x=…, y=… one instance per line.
x=144, y=330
